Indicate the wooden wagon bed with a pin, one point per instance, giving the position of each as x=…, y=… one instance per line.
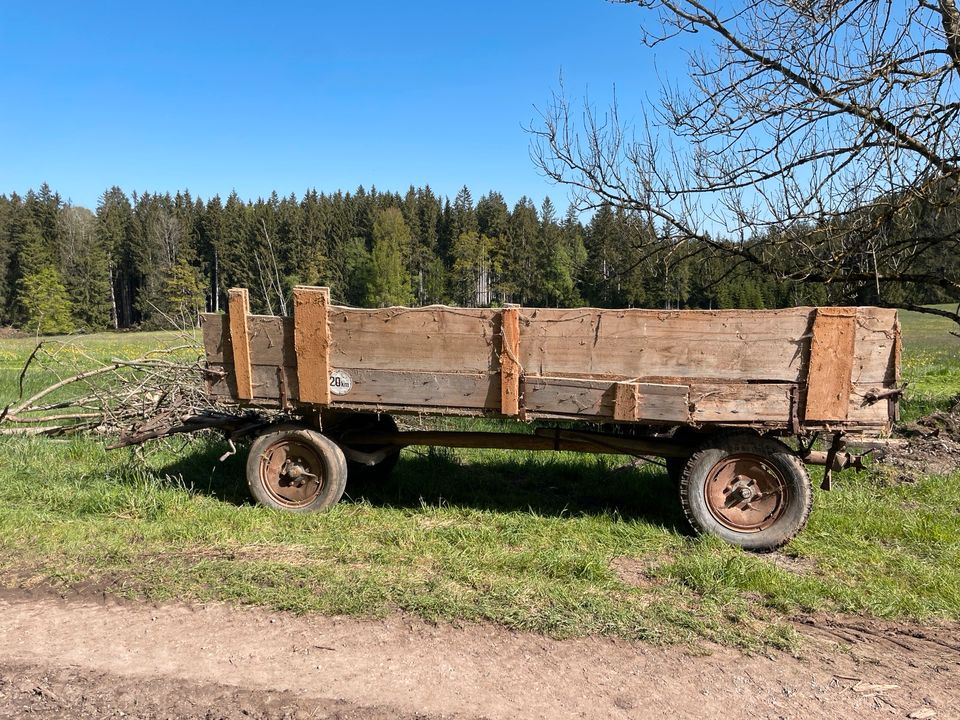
x=798, y=369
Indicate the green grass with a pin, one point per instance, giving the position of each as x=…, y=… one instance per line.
x=931, y=362
x=527, y=540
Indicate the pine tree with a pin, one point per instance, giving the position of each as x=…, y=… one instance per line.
x=114, y=232
x=45, y=303
x=553, y=276
x=471, y=269
x=182, y=296
x=519, y=260
x=85, y=265
x=390, y=284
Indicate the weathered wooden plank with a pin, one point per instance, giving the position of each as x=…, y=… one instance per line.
x=271, y=340
x=654, y=402
x=737, y=345
x=238, y=304
x=568, y=396
x=829, y=381
x=475, y=393
x=740, y=403
x=875, y=354
x=382, y=388
x=430, y=390
x=311, y=342
x=699, y=402
x=640, y=402
x=861, y=411
x=434, y=338
x=421, y=339
x=509, y=361
x=754, y=345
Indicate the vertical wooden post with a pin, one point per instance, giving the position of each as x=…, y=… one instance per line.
x=238, y=307
x=311, y=342
x=626, y=400
x=829, y=371
x=510, y=360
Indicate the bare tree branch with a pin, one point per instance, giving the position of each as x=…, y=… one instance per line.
x=816, y=139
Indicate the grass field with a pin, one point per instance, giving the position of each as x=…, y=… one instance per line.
x=562, y=544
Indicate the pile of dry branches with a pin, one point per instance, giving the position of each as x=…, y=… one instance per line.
x=157, y=394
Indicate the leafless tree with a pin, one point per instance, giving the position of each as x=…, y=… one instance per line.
x=818, y=139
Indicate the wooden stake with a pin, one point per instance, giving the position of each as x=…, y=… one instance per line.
x=311, y=342
x=238, y=308
x=510, y=361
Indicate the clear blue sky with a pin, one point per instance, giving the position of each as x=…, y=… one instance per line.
x=288, y=96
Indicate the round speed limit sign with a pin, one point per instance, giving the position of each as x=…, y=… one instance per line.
x=340, y=382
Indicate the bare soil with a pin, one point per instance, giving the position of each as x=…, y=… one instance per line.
x=929, y=446
x=83, y=656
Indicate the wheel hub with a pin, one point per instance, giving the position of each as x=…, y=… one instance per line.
x=291, y=472
x=296, y=474
x=745, y=493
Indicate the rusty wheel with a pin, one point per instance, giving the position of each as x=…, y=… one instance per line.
x=749, y=490
x=745, y=493
x=296, y=469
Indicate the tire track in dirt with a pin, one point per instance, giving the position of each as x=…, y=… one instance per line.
x=409, y=666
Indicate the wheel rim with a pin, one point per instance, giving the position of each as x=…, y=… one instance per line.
x=291, y=472
x=745, y=493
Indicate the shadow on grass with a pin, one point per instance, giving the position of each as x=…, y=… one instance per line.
x=547, y=485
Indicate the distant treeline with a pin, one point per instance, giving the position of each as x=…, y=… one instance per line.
x=149, y=260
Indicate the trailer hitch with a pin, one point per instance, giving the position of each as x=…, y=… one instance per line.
x=836, y=459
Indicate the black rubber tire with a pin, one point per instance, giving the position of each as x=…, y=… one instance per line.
x=691, y=439
x=333, y=466
x=675, y=466
x=798, y=492
x=358, y=473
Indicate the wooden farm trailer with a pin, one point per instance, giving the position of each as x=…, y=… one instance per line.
x=716, y=394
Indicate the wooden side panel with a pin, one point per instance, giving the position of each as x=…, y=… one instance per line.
x=876, y=348
x=740, y=403
x=638, y=401
x=734, y=367
x=271, y=340
x=411, y=343
x=509, y=361
x=478, y=392
x=829, y=380
x=238, y=305
x=721, y=344
x=311, y=342
x=434, y=338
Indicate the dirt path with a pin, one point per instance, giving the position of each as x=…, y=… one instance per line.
x=82, y=657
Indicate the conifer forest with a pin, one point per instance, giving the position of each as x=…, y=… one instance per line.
x=147, y=260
